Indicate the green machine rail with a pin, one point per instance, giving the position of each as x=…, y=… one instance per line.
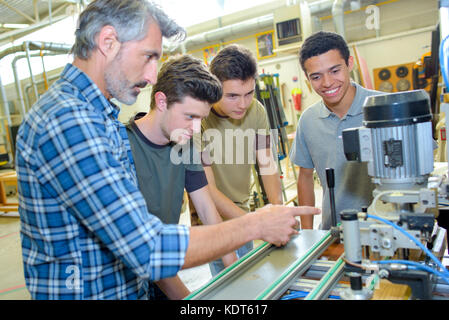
x=266, y=272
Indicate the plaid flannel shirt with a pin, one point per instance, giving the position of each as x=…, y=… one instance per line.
x=85, y=229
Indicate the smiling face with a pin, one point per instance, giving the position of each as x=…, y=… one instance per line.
x=134, y=67
x=329, y=76
x=237, y=97
x=182, y=119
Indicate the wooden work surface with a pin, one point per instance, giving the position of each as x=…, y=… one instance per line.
x=391, y=291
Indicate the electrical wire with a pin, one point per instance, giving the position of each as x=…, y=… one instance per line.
x=361, y=266
x=419, y=244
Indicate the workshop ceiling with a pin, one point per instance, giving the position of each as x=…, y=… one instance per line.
x=21, y=17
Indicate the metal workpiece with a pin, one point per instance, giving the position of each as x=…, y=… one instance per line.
x=267, y=271
x=385, y=239
x=353, y=253
x=351, y=235
x=362, y=294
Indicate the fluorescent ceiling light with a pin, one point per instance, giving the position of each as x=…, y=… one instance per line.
x=14, y=25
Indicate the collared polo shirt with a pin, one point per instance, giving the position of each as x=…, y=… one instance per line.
x=318, y=144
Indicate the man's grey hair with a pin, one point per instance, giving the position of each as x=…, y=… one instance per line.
x=129, y=18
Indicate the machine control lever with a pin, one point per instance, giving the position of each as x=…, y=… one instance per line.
x=330, y=179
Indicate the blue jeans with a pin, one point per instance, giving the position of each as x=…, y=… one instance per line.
x=217, y=266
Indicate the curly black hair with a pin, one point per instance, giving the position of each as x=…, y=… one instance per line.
x=322, y=42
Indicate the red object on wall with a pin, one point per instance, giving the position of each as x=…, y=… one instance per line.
x=297, y=101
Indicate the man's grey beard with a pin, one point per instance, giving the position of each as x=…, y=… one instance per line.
x=118, y=86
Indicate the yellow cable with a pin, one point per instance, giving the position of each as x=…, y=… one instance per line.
x=44, y=74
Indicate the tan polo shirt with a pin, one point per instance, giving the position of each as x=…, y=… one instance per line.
x=229, y=147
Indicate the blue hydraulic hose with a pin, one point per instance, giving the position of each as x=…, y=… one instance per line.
x=302, y=294
x=416, y=266
x=419, y=244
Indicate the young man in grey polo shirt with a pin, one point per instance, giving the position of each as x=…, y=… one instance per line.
x=326, y=62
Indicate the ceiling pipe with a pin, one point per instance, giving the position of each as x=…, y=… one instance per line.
x=17, y=80
x=33, y=81
x=26, y=47
x=36, y=45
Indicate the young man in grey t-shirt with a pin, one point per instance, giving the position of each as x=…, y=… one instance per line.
x=326, y=62
x=165, y=160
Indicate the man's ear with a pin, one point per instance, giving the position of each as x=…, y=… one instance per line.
x=161, y=101
x=350, y=63
x=108, y=43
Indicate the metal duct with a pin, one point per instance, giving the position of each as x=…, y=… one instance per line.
x=320, y=6
x=306, y=19
x=227, y=31
x=232, y=30
x=254, y=24
x=337, y=14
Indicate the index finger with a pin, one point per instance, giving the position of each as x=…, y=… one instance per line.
x=303, y=211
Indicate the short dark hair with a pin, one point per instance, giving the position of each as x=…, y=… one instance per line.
x=322, y=42
x=183, y=76
x=234, y=62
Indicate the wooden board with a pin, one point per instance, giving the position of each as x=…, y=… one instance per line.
x=391, y=291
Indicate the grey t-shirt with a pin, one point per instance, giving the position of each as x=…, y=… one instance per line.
x=318, y=144
x=162, y=175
